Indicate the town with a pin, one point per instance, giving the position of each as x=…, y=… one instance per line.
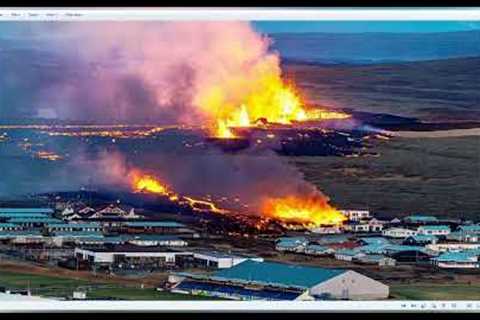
x=349, y=261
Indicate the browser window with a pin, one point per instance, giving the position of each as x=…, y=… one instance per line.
x=239, y=159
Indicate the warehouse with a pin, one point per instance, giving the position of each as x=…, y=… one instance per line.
x=129, y=256
x=213, y=260
x=252, y=280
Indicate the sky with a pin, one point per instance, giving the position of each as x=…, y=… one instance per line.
x=365, y=26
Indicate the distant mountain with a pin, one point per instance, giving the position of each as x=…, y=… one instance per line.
x=373, y=48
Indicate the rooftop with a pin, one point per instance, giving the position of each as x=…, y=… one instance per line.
x=160, y=224
x=436, y=228
x=35, y=220
x=128, y=248
x=463, y=256
x=421, y=218
x=26, y=210
x=75, y=225
x=273, y=273
x=470, y=228
x=23, y=215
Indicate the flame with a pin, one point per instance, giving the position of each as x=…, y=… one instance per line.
x=144, y=182
x=272, y=101
x=312, y=211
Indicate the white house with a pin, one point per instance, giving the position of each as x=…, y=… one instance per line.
x=356, y=215
x=457, y=260
x=398, y=233
x=439, y=230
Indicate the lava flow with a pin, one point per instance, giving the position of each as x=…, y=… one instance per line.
x=311, y=211
x=142, y=182
x=278, y=104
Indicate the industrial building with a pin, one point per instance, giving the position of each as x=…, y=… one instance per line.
x=213, y=260
x=128, y=256
x=252, y=280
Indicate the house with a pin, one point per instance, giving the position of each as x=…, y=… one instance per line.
x=376, y=225
x=474, y=228
x=356, y=215
x=357, y=227
x=437, y=230
x=252, y=280
x=395, y=221
x=373, y=240
x=420, y=240
x=157, y=240
x=376, y=259
x=292, y=244
x=9, y=227
x=162, y=227
x=85, y=227
x=453, y=246
x=347, y=254
x=33, y=222
x=333, y=229
x=59, y=238
x=457, y=260
x=461, y=236
x=420, y=219
x=128, y=256
x=318, y=250
x=398, y=233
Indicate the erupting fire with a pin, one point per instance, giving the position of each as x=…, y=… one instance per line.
x=309, y=211
x=276, y=104
x=143, y=182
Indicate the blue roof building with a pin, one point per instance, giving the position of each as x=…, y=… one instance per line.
x=155, y=224
x=474, y=228
x=417, y=218
x=26, y=210
x=307, y=282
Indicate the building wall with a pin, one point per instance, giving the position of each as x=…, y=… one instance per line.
x=353, y=286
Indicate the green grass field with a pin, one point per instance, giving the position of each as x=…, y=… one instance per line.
x=63, y=288
x=435, y=292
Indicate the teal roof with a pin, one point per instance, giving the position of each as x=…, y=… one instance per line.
x=79, y=234
x=421, y=218
x=8, y=225
x=272, y=273
x=399, y=248
x=424, y=238
x=160, y=224
x=34, y=220
x=373, y=248
x=435, y=228
x=375, y=240
x=154, y=237
x=13, y=234
x=317, y=247
x=292, y=239
x=23, y=215
x=74, y=225
x=288, y=244
x=26, y=210
x=462, y=234
x=457, y=256
x=470, y=228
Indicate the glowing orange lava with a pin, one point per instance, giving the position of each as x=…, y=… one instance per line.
x=275, y=103
x=144, y=182
x=312, y=211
